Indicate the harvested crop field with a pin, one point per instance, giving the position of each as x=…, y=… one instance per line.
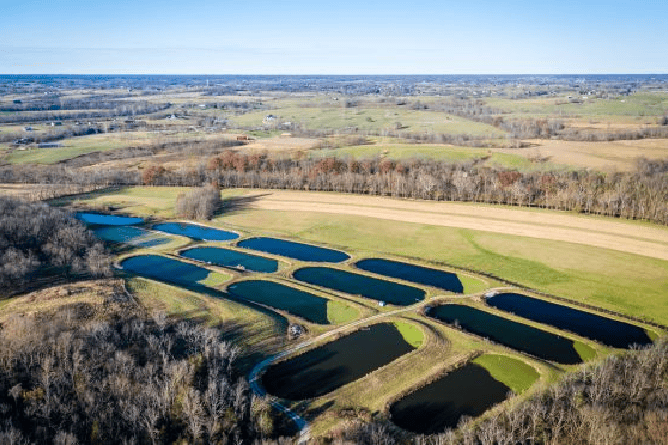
x=651, y=241
x=609, y=155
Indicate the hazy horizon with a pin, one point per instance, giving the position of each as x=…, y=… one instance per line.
x=299, y=37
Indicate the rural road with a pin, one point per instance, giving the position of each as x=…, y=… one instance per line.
x=619, y=235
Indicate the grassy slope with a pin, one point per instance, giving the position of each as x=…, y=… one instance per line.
x=254, y=327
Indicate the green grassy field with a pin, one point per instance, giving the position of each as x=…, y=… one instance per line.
x=448, y=153
x=514, y=373
x=586, y=352
x=338, y=313
x=642, y=104
x=412, y=121
x=70, y=149
x=97, y=142
x=411, y=333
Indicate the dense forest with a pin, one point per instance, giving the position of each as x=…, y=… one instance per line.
x=38, y=241
x=76, y=377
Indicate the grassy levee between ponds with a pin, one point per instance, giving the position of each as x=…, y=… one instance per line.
x=514, y=373
x=585, y=351
x=411, y=333
x=339, y=313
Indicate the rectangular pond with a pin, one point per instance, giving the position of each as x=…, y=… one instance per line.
x=515, y=335
x=107, y=220
x=356, y=284
x=291, y=249
x=467, y=391
x=232, y=259
x=195, y=231
x=191, y=277
x=337, y=363
x=601, y=329
x=303, y=304
x=166, y=269
x=411, y=272
x=135, y=236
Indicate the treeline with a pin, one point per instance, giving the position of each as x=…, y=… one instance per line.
x=53, y=134
x=73, y=378
x=623, y=400
x=51, y=103
x=534, y=128
x=642, y=194
x=555, y=129
x=126, y=109
x=634, y=195
x=37, y=241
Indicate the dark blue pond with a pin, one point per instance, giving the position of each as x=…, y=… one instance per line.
x=467, y=391
x=601, y=329
x=410, y=272
x=130, y=235
x=507, y=332
x=337, y=363
x=303, y=304
x=357, y=284
x=107, y=220
x=195, y=231
x=190, y=277
x=231, y=258
x=165, y=269
x=290, y=249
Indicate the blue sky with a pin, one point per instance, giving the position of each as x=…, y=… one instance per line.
x=333, y=37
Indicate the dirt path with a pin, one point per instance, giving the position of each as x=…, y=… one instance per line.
x=620, y=235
